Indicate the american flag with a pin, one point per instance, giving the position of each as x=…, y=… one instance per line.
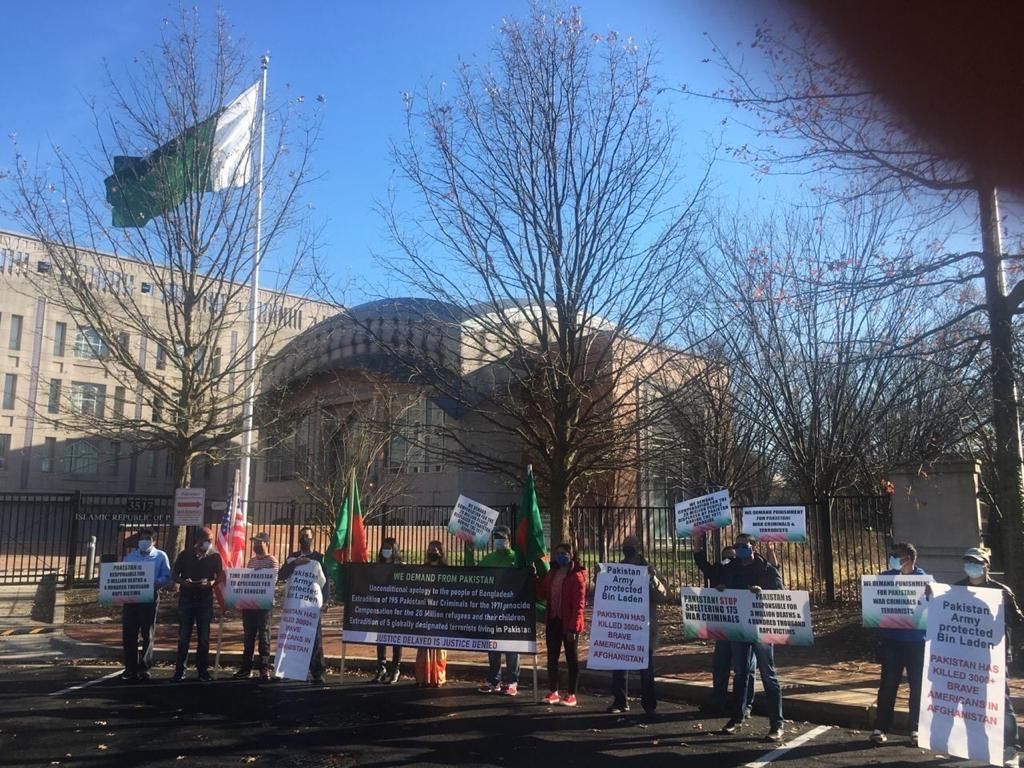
x=231, y=533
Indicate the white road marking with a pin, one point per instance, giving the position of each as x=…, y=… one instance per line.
x=798, y=741
x=86, y=684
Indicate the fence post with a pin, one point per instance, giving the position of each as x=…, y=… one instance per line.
x=71, y=565
x=828, y=561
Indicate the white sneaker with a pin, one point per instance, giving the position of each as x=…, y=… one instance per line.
x=879, y=737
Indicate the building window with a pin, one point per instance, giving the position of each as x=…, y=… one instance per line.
x=14, y=341
x=88, y=399
x=49, y=462
x=418, y=443
x=215, y=362
x=89, y=345
x=10, y=390
x=152, y=458
x=119, y=400
x=5, y=449
x=115, y=458
x=81, y=458
x=60, y=336
x=53, y=401
x=161, y=357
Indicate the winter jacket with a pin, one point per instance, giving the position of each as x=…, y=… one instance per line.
x=736, y=575
x=500, y=558
x=574, y=596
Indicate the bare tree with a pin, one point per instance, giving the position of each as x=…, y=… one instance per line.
x=164, y=315
x=550, y=231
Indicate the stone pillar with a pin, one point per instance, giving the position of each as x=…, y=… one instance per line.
x=938, y=512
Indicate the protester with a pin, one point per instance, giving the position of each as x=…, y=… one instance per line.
x=751, y=571
x=899, y=649
x=564, y=590
x=140, y=618
x=306, y=554
x=432, y=662
x=657, y=592
x=256, y=621
x=503, y=556
x=389, y=553
x=196, y=571
x=976, y=567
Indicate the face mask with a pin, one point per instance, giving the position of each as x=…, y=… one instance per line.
x=387, y=553
x=744, y=552
x=433, y=555
x=501, y=543
x=974, y=570
x=144, y=545
x=562, y=559
x=305, y=541
x=726, y=560
x=628, y=552
x=205, y=546
x=895, y=563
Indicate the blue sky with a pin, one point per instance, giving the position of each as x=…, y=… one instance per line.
x=361, y=56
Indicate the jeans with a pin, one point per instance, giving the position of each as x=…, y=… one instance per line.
x=764, y=655
x=197, y=611
x=256, y=625
x=494, y=667
x=896, y=657
x=556, y=639
x=136, y=619
x=396, y=654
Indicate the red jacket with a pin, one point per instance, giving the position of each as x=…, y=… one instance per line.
x=574, y=596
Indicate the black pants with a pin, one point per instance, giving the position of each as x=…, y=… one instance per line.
x=556, y=640
x=896, y=657
x=197, y=611
x=396, y=654
x=648, y=698
x=256, y=625
x=316, y=658
x=138, y=619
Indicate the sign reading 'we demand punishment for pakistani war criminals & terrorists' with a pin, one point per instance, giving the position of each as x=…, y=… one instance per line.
x=704, y=513
x=775, y=523
x=894, y=602
x=620, y=628
x=471, y=609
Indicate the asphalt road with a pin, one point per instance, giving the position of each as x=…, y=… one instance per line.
x=292, y=725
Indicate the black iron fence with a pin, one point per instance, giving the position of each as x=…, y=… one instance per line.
x=847, y=536
x=43, y=534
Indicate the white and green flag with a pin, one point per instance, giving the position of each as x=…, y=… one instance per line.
x=213, y=155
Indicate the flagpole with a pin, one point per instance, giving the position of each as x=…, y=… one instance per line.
x=247, y=412
x=348, y=559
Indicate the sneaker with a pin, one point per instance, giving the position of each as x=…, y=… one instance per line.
x=512, y=689
x=551, y=698
x=913, y=738
x=128, y=676
x=489, y=687
x=775, y=734
x=617, y=709
x=731, y=727
x=382, y=673
x=1012, y=759
x=316, y=680
x=264, y=674
x=878, y=737
x=142, y=677
x=203, y=677
x=569, y=701
x=394, y=677
x=179, y=677
x=242, y=674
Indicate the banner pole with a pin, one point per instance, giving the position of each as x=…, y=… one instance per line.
x=536, y=693
x=220, y=636
x=341, y=677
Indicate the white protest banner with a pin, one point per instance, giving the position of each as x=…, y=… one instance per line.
x=189, y=504
x=775, y=523
x=620, y=629
x=777, y=617
x=472, y=521
x=894, y=602
x=702, y=514
x=246, y=588
x=963, y=694
x=122, y=583
x=300, y=618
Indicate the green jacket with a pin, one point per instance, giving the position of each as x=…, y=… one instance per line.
x=500, y=558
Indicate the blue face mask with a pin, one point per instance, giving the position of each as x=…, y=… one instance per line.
x=974, y=570
x=386, y=553
x=562, y=559
x=895, y=563
x=744, y=552
x=501, y=543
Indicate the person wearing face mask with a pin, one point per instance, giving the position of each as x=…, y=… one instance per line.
x=196, y=570
x=503, y=556
x=899, y=650
x=431, y=663
x=305, y=555
x=256, y=621
x=140, y=618
x=657, y=592
x=564, y=589
x=976, y=567
x=751, y=571
x=390, y=553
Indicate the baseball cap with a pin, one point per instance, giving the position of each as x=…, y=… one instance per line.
x=978, y=555
x=263, y=536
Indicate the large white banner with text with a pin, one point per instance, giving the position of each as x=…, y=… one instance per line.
x=620, y=628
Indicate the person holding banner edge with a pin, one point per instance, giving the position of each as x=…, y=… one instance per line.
x=751, y=571
x=256, y=621
x=564, y=589
x=390, y=553
x=632, y=555
x=304, y=555
x=976, y=568
x=899, y=650
x=503, y=556
x=140, y=618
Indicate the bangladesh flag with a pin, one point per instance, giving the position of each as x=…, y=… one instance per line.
x=529, y=537
x=215, y=154
x=348, y=545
